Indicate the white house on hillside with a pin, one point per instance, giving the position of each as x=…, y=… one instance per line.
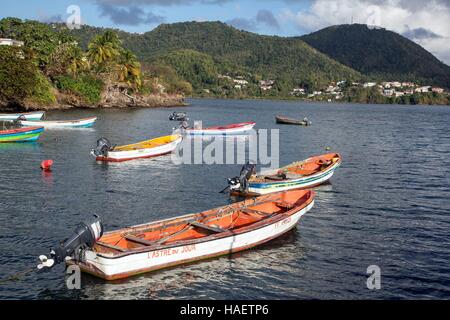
x=10, y=42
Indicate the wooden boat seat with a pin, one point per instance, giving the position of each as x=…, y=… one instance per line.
x=206, y=227
x=283, y=204
x=139, y=240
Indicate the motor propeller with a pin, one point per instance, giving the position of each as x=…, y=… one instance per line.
x=84, y=236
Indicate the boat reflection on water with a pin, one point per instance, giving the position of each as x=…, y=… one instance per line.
x=272, y=259
x=20, y=146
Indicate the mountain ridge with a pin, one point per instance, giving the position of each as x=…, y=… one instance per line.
x=380, y=53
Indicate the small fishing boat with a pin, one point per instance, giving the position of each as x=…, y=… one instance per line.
x=298, y=175
x=235, y=128
x=27, y=115
x=21, y=134
x=170, y=242
x=286, y=120
x=80, y=123
x=105, y=151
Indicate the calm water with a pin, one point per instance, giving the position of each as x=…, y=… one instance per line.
x=388, y=204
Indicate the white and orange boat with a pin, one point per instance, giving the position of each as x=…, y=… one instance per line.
x=165, y=243
x=145, y=149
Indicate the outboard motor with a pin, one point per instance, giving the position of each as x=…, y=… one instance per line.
x=19, y=120
x=102, y=148
x=84, y=236
x=178, y=116
x=240, y=183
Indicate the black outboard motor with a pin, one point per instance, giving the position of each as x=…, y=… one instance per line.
x=240, y=183
x=178, y=116
x=19, y=120
x=102, y=148
x=84, y=236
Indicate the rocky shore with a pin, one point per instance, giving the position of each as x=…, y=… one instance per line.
x=111, y=98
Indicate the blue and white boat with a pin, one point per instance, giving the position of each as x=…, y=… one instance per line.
x=298, y=175
x=80, y=123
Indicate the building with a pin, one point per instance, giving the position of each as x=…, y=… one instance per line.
x=266, y=84
x=241, y=82
x=423, y=89
x=11, y=42
x=408, y=84
x=389, y=92
x=399, y=93
x=437, y=90
x=369, y=84
x=297, y=91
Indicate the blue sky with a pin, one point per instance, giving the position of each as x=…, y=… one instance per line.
x=427, y=23
x=115, y=13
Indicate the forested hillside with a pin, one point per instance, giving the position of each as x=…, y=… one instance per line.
x=380, y=53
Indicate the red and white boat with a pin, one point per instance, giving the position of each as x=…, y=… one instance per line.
x=235, y=128
x=165, y=243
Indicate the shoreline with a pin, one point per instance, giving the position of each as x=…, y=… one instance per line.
x=288, y=99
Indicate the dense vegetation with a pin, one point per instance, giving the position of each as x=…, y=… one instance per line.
x=380, y=53
x=21, y=80
x=51, y=63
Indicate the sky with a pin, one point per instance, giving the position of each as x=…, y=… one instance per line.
x=425, y=22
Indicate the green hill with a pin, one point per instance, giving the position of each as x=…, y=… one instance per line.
x=380, y=53
x=290, y=61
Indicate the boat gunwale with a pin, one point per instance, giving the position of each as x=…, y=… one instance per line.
x=22, y=130
x=61, y=121
x=272, y=219
x=172, y=140
x=224, y=127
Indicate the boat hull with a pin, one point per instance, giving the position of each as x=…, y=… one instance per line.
x=28, y=116
x=21, y=135
x=81, y=123
x=121, y=156
x=113, y=268
x=284, y=120
x=224, y=130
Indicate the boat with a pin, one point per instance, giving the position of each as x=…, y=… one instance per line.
x=80, y=123
x=21, y=134
x=166, y=243
x=145, y=149
x=287, y=120
x=27, y=115
x=235, y=128
x=298, y=175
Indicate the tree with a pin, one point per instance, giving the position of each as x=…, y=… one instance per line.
x=103, y=51
x=129, y=69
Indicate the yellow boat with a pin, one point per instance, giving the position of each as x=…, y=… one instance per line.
x=145, y=149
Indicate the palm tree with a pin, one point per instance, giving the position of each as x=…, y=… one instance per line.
x=129, y=69
x=103, y=50
x=78, y=62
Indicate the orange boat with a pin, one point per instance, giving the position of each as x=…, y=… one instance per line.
x=161, y=244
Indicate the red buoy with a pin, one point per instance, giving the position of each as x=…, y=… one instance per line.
x=46, y=165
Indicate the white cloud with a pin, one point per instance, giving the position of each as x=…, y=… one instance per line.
x=397, y=15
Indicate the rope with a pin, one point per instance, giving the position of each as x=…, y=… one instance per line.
x=18, y=275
